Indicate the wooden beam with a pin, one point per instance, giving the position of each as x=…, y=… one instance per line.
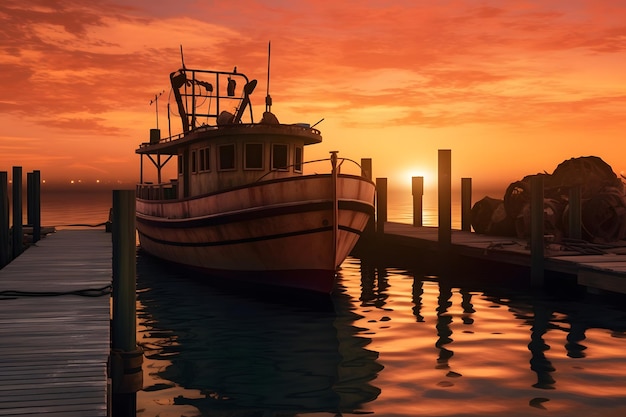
x=381, y=204
x=417, y=187
x=444, y=181
x=602, y=280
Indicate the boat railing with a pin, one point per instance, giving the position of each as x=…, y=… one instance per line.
x=163, y=191
x=340, y=163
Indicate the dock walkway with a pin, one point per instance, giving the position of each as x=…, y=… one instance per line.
x=54, y=348
x=597, y=266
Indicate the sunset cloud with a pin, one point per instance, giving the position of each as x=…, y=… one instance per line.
x=79, y=75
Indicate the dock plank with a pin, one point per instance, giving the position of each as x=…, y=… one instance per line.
x=54, y=348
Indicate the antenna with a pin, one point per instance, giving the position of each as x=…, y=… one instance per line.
x=182, y=58
x=156, y=105
x=268, y=98
x=321, y=120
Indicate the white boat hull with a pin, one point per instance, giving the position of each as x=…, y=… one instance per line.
x=278, y=232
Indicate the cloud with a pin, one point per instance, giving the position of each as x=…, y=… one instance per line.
x=84, y=57
x=78, y=71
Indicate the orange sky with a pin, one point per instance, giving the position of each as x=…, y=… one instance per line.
x=511, y=87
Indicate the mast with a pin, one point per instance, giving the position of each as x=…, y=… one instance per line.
x=268, y=98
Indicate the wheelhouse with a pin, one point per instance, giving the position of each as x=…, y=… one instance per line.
x=217, y=149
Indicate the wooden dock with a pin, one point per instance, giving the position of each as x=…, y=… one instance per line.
x=593, y=265
x=54, y=327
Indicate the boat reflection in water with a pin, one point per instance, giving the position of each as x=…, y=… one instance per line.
x=208, y=348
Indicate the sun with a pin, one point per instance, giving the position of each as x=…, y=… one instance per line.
x=406, y=178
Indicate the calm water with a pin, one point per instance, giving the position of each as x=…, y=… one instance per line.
x=389, y=341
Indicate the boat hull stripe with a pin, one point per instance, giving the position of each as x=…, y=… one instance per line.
x=250, y=239
x=227, y=218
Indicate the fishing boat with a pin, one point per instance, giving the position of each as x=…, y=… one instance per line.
x=241, y=207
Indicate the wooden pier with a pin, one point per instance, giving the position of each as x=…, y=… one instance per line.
x=596, y=266
x=592, y=265
x=55, y=327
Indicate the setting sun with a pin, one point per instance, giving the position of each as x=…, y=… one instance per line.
x=429, y=178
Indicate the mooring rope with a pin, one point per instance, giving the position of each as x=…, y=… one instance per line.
x=87, y=292
x=82, y=225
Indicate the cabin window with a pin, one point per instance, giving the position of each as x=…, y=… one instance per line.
x=279, y=157
x=226, y=157
x=180, y=164
x=204, y=159
x=253, y=156
x=297, y=164
x=201, y=153
x=194, y=162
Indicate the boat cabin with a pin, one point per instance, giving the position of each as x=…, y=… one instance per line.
x=217, y=150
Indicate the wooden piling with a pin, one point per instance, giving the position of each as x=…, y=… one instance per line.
x=445, y=199
x=381, y=204
x=125, y=356
x=537, y=259
x=18, y=231
x=466, y=204
x=29, y=198
x=575, y=212
x=366, y=171
x=36, y=206
x=5, y=243
x=123, y=229
x=417, y=187
x=366, y=168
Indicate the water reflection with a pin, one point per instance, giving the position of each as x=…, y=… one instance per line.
x=541, y=319
x=574, y=317
x=374, y=284
x=538, y=362
x=241, y=353
x=468, y=307
x=417, y=292
x=502, y=351
x=444, y=332
x=575, y=349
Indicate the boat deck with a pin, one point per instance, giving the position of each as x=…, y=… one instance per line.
x=54, y=343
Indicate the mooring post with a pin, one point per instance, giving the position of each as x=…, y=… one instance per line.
x=366, y=168
x=575, y=212
x=445, y=199
x=536, y=231
x=18, y=231
x=417, y=188
x=366, y=172
x=126, y=358
x=29, y=198
x=466, y=204
x=36, y=206
x=381, y=204
x=4, y=219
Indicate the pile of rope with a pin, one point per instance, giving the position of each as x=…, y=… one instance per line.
x=603, y=203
